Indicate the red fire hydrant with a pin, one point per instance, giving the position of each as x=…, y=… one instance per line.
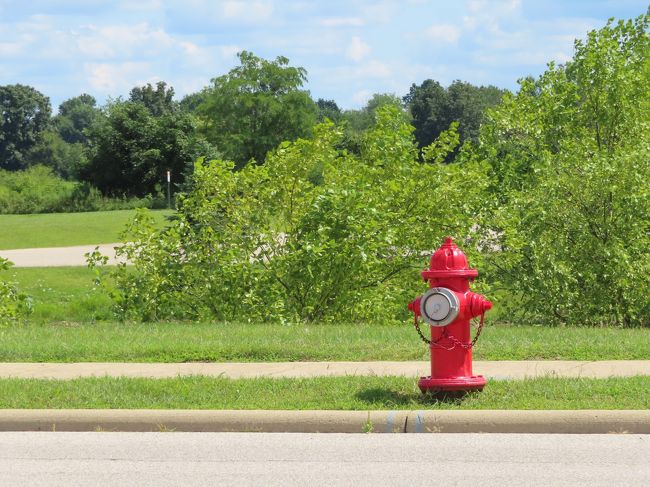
x=447, y=307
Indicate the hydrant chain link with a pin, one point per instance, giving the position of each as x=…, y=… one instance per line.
x=455, y=340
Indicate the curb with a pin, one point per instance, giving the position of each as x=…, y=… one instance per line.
x=317, y=421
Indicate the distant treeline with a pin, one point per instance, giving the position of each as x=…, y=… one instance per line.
x=124, y=148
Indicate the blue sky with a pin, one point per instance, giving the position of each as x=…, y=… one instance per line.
x=350, y=48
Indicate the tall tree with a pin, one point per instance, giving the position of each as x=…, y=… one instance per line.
x=130, y=149
x=62, y=145
x=254, y=107
x=24, y=115
x=359, y=121
x=328, y=109
x=75, y=115
x=158, y=100
x=190, y=103
x=433, y=108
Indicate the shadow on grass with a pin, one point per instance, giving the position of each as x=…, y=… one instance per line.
x=387, y=397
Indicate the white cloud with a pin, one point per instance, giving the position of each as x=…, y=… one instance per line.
x=373, y=69
x=357, y=49
x=111, y=78
x=361, y=97
x=246, y=10
x=117, y=41
x=10, y=48
x=493, y=7
x=445, y=33
x=342, y=22
x=229, y=51
x=365, y=71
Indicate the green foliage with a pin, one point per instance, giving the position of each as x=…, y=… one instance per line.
x=63, y=157
x=131, y=149
x=328, y=109
x=570, y=158
x=158, y=101
x=268, y=243
x=14, y=305
x=434, y=108
x=62, y=146
x=38, y=190
x=75, y=116
x=254, y=107
x=24, y=115
x=356, y=122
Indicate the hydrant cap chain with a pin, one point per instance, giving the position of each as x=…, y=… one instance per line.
x=439, y=306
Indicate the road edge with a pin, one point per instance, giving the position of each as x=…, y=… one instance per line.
x=319, y=421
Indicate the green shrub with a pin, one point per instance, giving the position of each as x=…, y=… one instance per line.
x=14, y=305
x=315, y=233
x=570, y=157
x=38, y=190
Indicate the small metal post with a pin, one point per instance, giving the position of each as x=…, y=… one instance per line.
x=169, y=194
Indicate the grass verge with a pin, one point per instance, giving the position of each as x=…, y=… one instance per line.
x=346, y=393
x=237, y=342
x=66, y=229
x=62, y=294
x=71, y=323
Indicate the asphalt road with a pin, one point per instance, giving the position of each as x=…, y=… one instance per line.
x=241, y=459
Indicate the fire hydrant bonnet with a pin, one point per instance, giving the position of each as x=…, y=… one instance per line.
x=448, y=261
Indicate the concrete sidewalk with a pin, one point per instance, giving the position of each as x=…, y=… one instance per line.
x=58, y=256
x=501, y=370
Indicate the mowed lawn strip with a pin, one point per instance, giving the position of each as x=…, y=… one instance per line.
x=71, y=323
x=67, y=229
x=346, y=393
x=263, y=342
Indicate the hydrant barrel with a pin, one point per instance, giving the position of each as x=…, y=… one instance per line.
x=447, y=307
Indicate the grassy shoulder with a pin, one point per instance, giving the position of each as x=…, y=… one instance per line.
x=345, y=393
x=71, y=322
x=66, y=229
x=259, y=342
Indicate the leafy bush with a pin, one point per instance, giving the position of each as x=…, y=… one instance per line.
x=39, y=190
x=14, y=305
x=570, y=157
x=314, y=234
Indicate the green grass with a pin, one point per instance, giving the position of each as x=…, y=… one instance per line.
x=71, y=322
x=66, y=229
x=259, y=342
x=347, y=393
x=62, y=294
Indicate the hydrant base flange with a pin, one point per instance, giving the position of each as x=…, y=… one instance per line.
x=472, y=383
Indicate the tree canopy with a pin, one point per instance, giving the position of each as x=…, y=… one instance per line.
x=24, y=115
x=159, y=100
x=130, y=149
x=570, y=170
x=254, y=107
x=433, y=108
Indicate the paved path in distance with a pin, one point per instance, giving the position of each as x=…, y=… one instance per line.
x=57, y=256
x=296, y=459
x=491, y=369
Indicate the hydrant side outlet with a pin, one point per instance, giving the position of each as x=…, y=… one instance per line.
x=448, y=306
